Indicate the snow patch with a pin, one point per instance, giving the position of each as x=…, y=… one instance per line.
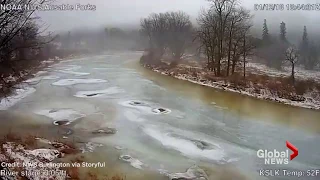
x=19, y=154
x=47, y=154
x=90, y=147
x=299, y=72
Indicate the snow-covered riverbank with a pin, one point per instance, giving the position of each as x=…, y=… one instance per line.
x=33, y=158
x=306, y=100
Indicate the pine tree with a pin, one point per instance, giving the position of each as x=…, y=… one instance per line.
x=305, y=35
x=283, y=32
x=304, y=47
x=265, y=32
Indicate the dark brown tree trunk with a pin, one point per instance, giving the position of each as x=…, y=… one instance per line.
x=229, y=50
x=244, y=57
x=292, y=72
x=233, y=67
x=229, y=56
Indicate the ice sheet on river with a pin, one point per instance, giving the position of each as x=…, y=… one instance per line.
x=37, y=79
x=19, y=94
x=99, y=93
x=145, y=107
x=133, y=116
x=74, y=73
x=61, y=114
x=68, y=82
x=186, y=147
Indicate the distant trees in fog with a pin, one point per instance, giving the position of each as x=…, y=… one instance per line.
x=170, y=31
x=223, y=35
x=309, y=51
x=273, y=50
x=101, y=39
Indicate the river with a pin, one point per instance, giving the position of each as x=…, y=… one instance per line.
x=166, y=125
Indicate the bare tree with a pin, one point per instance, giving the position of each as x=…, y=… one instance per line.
x=292, y=56
x=238, y=21
x=155, y=27
x=179, y=34
x=223, y=29
x=207, y=33
x=167, y=31
x=223, y=10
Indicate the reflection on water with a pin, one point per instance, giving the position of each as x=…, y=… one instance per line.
x=165, y=124
x=242, y=106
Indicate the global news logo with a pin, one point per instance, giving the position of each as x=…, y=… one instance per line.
x=278, y=157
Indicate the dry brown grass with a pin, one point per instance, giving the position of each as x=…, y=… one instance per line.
x=29, y=141
x=11, y=136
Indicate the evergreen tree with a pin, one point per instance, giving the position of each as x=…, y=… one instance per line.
x=283, y=32
x=304, y=47
x=305, y=34
x=313, y=56
x=265, y=32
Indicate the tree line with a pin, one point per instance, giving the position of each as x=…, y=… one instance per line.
x=223, y=35
x=170, y=31
x=279, y=50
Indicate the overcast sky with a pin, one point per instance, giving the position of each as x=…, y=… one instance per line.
x=129, y=13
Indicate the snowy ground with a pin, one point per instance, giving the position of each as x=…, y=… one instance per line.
x=28, y=161
x=299, y=72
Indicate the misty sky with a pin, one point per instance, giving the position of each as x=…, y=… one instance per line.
x=129, y=12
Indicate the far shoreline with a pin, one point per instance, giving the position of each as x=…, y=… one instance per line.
x=223, y=87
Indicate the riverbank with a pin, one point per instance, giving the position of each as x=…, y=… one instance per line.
x=38, y=158
x=33, y=158
x=305, y=93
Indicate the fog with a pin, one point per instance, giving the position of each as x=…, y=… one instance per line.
x=127, y=13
